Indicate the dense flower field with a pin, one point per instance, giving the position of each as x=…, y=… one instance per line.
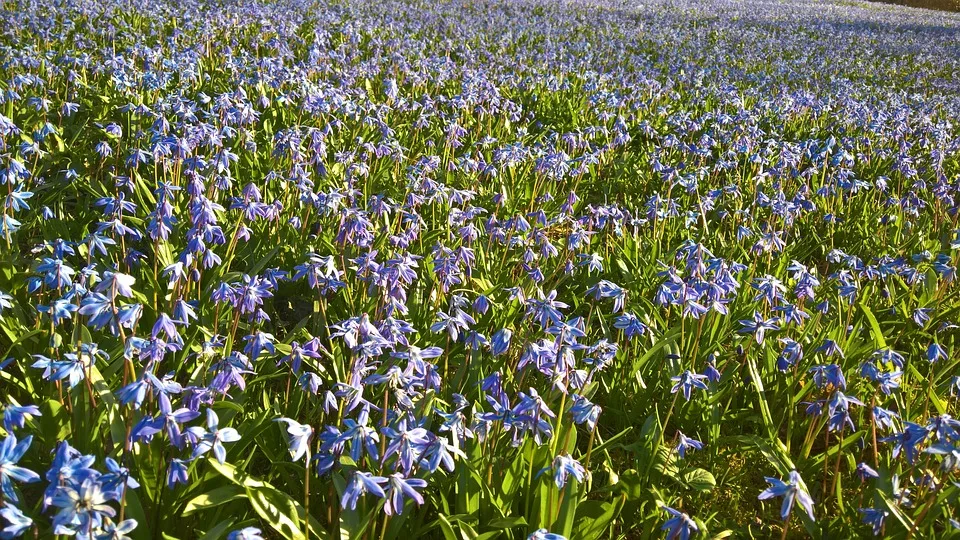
x=477, y=269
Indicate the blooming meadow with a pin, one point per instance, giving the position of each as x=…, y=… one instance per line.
x=475, y=269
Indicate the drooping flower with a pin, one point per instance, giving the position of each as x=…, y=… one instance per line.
x=565, y=466
x=298, y=438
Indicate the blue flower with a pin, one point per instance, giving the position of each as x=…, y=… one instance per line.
x=501, y=341
x=921, y=316
x=400, y=488
x=10, y=453
x=246, y=533
x=758, y=326
x=214, y=438
x=17, y=522
x=543, y=534
x=884, y=417
x=118, y=478
x=679, y=525
x=360, y=437
x=116, y=531
x=361, y=483
x=950, y=452
x=82, y=507
x=839, y=411
x=874, y=518
x=630, y=324
x=298, y=440
x=907, y=441
x=791, y=490
x=5, y=301
x=115, y=283
x=864, y=471
x=15, y=416
x=684, y=443
x=688, y=381
x=584, y=412
x=69, y=467
x=828, y=375
x=406, y=444
x=936, y=352
x=563, y=467
x=177, y=473
x=59, y=310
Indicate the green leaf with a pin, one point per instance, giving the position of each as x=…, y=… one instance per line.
x=630, y=484
x=593, y=518
x=894, y=509
x=218, y=530
x=568, y=509
x=447, y=529
x=757, y=384
x=507, y=522
x=700, y=480
x=878, y=339
x=214, y=498
x=277, y=510
x=468, y=489
x=467, y=532
x=271, y=496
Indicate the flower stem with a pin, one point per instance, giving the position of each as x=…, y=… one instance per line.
x=306, y=496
